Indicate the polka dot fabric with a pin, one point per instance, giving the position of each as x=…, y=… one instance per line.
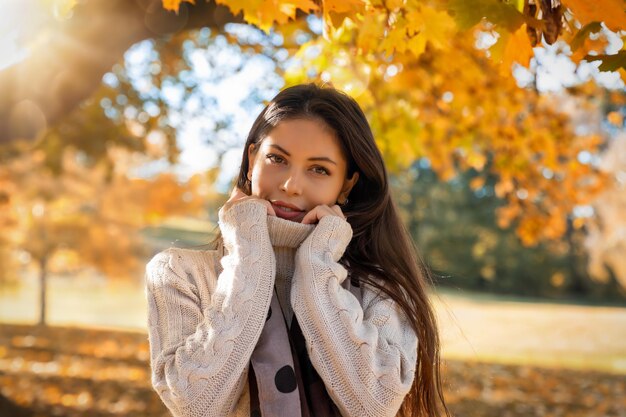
x=285, y=380
x=273, y=366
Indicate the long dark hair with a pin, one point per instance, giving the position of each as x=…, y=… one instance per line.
x=381, y=250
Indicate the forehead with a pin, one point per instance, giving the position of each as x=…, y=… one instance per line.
x=305, y=137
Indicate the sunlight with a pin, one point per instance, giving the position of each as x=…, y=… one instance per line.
x=23, y=21
x=12, y=18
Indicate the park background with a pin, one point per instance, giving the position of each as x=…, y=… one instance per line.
x=501, y=123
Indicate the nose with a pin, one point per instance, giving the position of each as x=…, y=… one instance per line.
x=292, y=183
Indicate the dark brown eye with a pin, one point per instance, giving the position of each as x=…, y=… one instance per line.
x=321, y=170
x=276, y=159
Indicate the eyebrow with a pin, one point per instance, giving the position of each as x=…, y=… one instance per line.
x=315, y=158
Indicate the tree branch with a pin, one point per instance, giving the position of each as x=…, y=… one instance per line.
x=68, y=67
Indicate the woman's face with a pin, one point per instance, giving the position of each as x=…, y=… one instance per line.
x=299, y=166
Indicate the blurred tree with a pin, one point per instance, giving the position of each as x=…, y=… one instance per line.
x=87, y=214
x=383, y=28
x=434, y=77
x=606, y=239
x=461, y=114
x=454, y=228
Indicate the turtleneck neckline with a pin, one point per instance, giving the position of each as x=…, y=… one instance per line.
x=287, y=234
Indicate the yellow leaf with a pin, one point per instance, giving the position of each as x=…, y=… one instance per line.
x=611, y=12
x=476, y=160
x=370, y=32
x=417, y=44
x=395, y=41
x=394, y=4
x=264, y=13
x=436, y=26
x=343, y=6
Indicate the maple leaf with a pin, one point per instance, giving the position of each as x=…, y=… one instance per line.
x=611, y=12
x=343, y=6
x=517, y=49
x=263, y=13
x=437, y=26
x=370, y=31
x=336, y=11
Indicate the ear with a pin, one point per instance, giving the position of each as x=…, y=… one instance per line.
x=347, y=186
x=251, y=155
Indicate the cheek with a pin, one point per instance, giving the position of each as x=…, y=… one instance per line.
x=326, y=194
x=259, y=181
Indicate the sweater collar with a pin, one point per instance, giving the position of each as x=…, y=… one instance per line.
x=288, y=234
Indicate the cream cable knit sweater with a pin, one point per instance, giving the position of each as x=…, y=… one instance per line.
x=206, y=311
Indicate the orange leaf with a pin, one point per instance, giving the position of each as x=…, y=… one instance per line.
x=174, y=5
x=611, y=12
x=615, y=118
x=343, y=6
x=263, y=13
x=476, y=183
x=517, y=49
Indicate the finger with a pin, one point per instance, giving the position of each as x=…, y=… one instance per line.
x=310, y=217
x=270, y=209
x=338, y=211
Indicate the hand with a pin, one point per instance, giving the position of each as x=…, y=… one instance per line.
x=320, y=211
x=237, y=196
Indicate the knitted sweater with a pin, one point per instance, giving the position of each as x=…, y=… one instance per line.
x=206, y=310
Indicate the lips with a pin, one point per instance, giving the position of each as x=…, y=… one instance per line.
x=287, y=211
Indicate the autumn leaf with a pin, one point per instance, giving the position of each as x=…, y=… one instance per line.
x=343, y=6
x=467, y=13
x=611, y=12
x=609, y=62
x=517, y=49
x=174, y=5
x=264, y=13
x=437, y=27
x=615, y=118
x=336, y=11
x=413, y=32
x=584, y=32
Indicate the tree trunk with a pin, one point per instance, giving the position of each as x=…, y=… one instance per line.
x=43, y=272
x=578, y=281
x=67, y=68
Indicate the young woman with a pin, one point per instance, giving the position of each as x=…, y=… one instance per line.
x=313, y=303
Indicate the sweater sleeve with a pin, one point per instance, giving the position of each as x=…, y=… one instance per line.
x=365, y=354
x=200, y=349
